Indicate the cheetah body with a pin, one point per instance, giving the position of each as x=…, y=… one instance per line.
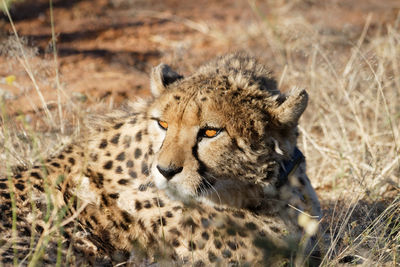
x=147, y=183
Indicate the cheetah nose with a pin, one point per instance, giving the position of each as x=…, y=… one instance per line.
x=170, y=171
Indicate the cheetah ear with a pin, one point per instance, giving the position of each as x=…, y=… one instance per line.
x=288, y=113
x=160, y=77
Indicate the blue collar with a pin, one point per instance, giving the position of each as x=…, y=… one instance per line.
x=289, y=166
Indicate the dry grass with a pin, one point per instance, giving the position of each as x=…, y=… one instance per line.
x=350, y=132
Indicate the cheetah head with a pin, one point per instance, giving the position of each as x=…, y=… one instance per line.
x=220, y=133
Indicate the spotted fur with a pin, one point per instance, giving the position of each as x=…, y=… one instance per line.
x=145, y=192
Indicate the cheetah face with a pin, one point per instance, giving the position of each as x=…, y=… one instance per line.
x=212, y=143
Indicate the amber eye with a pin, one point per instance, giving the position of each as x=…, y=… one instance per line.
x=210, y=133
x=163, y=124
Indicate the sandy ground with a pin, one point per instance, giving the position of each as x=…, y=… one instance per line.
x=106, y=47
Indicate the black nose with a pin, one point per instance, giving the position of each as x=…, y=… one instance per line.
x=170, y=171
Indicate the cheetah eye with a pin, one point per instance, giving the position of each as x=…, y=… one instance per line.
x=163, y=124
x=209, y=132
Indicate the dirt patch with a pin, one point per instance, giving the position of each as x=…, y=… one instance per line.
x=106, y=48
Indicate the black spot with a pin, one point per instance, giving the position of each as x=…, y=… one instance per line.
x=108, y=165
x=38, y=187
x=115, y=138
x=36, y=175
x=61, y=156
x=242, y=233
x=126, y=216
x=103, y=144
x=68, y=150
x=132, y=174
x=238, y=214
x=158, y=202
x=189, y=223
x=199, y=263
x=138, y=205
x=232, y=245
x=124, y=226
x=55, y=164
x=20, y=187
x=3, y=186
x=145, y=169
x=26, y=231
x=119, y=170
x=138, y=136
x=104, y=235
x=154, y=227
x=89, y=224
x=175, y=243
x=138, y=153
x=251, y=226
x=5, y=195
x=169, y=214
x=226, y=253
x=118, y=125
x=205, y=235
x=191, y=246
x=17, y=176
x=212, y=257
x=39, y=229
x=71, y=160
x=150, y=152
x=205, y=222
x=231, y=231
x=123, y=181
x=129, y=164
x=203, y=99
x=217, y=244
x=159, y=222
x=174, y=231
x=104, y=200
x=114, y=195
x=142, y=187
x=93, y=156
x=99, y=179
x=121, y=156
x=147, y=204
x=94, y=219
x=275, y=229
x=177, y=97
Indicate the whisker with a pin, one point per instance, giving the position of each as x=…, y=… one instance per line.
x=213, y=188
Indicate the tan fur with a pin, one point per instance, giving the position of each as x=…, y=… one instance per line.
x=222, y=205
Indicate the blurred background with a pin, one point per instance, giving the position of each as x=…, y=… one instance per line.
x=63, y=59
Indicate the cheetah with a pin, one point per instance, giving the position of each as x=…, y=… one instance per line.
x=205, y=172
